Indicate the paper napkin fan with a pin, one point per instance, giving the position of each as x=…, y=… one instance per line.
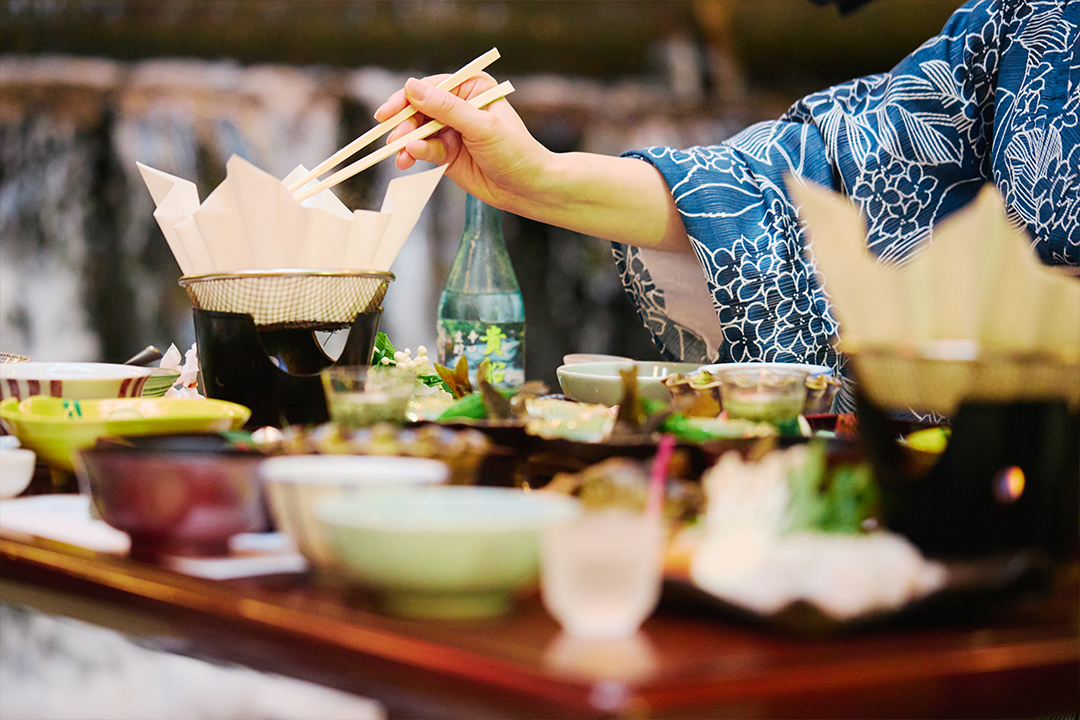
x=974, y=314
x=251, y=222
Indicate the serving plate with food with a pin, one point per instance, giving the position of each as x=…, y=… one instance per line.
x=791, y=538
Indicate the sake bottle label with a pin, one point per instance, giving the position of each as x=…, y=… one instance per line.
x=503, y=344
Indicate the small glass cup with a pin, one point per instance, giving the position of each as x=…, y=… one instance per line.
x=360, y=396
x=601, y=573
x=775, y=395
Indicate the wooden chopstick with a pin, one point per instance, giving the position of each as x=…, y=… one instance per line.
x=384, y=127
x=485, y=98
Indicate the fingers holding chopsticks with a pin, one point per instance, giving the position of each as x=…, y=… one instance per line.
x=450, y=107
x=486, y=147
x=300, y=186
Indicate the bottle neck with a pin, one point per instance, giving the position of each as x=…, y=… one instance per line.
x=482, y=222
x=482, y=264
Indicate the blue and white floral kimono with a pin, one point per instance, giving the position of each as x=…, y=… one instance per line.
x=994, y=97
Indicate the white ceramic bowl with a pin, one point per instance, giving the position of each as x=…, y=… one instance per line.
x=810, y=369
x=16, y=470
x=296, y=484
x=447, y=552
x=600, y=382
x=74, y=380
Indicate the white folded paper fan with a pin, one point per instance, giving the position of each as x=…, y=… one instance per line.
x=973, y=315
x=251, y=247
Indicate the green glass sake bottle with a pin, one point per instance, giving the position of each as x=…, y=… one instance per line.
x=481, y=312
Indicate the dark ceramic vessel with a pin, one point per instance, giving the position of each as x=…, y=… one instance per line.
x=175, y=495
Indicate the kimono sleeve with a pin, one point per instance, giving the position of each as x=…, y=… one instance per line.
x=907, y=146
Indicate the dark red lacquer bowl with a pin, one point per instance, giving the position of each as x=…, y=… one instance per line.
x=175, y=495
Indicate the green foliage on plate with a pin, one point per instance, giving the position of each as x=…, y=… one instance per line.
x=485, y=402
x=841, y=498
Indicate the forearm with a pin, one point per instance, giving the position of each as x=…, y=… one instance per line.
x=615, y=198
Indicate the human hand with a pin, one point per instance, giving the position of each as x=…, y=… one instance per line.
x=488, y=152
x=492, y=156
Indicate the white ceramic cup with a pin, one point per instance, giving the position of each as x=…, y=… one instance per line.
x=16, y=469
x=601, y=574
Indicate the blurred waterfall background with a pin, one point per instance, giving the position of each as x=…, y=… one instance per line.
x=89, y=87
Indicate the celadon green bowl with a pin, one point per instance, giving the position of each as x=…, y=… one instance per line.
x=443, y=551
x=600, y=382
x=56, y=428
x=159, y=382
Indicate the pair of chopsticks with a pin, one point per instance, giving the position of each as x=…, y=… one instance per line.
x=485, y=98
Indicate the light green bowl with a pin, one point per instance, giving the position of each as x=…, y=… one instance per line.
x=600, y=382
x=443, y=551
x=56, y=429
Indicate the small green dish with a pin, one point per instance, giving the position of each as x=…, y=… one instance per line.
x=601, y=383
x=159, y=382
x=56, y=428
x=444, y=551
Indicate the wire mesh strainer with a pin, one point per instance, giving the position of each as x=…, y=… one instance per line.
x=289, y=299
x=922, y=383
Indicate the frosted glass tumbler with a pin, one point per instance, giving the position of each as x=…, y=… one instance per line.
x=775, y=395
x=359, y=396
x=601, y=574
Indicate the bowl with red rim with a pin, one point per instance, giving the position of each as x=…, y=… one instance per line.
x=71, y=380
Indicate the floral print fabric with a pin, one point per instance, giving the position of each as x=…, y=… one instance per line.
x=994, y=98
